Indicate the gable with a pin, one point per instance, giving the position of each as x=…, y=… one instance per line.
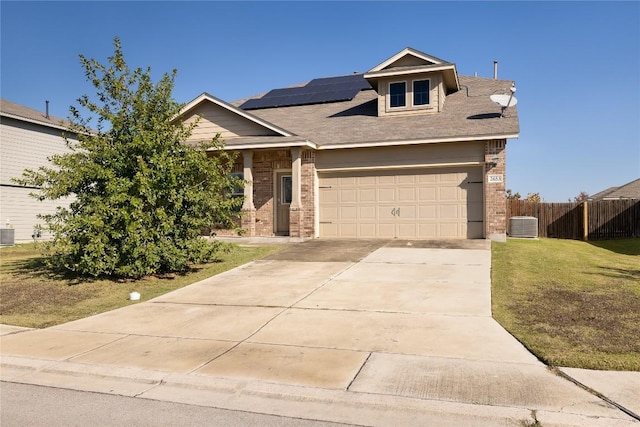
x=214, y=117
x=408, y=57
x=410, y=62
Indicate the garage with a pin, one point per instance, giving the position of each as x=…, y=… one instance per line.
x=402, y=203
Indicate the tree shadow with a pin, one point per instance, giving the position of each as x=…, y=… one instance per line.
x=630, y=246
x=619, y=273
x=37, y=268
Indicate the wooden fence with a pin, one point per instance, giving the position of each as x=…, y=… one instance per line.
x=607, y=219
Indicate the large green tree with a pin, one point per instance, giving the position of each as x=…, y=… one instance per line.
x=141, y=196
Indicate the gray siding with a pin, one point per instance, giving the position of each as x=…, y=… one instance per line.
x=25, y=145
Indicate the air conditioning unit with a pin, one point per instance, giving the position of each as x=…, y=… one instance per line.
x=523, y=226
x=7, y=236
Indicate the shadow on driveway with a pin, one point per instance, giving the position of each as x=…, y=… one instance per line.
x=354, y=250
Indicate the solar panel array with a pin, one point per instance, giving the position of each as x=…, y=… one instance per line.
x=317, y=91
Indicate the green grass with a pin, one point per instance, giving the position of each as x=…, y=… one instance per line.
x=32, y=296
x=571, y=303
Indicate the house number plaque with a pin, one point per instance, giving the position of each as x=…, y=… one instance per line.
x=494, y=179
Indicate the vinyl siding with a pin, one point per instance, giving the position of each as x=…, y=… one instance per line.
x=25, y=145
x=397, y=157
x=22, y=211
x=436, y=95
x=215, y=119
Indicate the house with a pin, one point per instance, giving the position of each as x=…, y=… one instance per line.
x=409, y=150
x=630, y=190
x=27, y=138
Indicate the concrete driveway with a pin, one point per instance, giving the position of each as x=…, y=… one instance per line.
x=358, y=332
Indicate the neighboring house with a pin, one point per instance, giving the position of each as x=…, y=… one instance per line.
x=408, y=150
x=27, y=138
x=630, y=190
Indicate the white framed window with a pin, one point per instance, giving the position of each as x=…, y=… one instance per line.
x=421, y=92
x=397, y=94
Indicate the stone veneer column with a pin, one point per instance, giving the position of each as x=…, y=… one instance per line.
x=494, y=192
x=248, y=208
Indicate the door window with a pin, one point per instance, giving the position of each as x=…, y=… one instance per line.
x=285, y=188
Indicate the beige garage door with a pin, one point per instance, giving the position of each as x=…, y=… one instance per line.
x=427, y=203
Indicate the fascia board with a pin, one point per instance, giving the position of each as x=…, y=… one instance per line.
x=258, y=146
x=37, y=122
x=418, y=141
x=413, y=70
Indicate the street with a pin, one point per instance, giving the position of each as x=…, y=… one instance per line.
x=29, y=405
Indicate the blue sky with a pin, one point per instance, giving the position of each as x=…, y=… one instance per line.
x=576, y=64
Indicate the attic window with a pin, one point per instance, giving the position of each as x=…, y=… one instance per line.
x=421, y=90
x=398, y=94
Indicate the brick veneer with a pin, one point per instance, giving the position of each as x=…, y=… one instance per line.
x=259, y=222
x=494, y=193
x=306, y=223
x=264, y=163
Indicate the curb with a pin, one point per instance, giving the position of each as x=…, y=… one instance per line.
x=330, y=405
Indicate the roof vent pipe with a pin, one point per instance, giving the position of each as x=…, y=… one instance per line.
x=495, y=70
x=46, y=114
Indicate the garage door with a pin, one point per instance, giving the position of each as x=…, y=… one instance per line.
x=422, y=204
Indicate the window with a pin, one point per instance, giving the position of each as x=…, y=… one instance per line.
x=421, y=90
x=397, y=94
x=238, y=189
x=286, y=187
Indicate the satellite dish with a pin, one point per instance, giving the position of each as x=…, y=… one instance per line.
x=504, y=101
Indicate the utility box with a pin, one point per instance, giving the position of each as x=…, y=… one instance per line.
x=7, y=236
x=523, y=226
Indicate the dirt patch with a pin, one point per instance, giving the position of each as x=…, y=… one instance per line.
x=604, y=322
x=28, y=297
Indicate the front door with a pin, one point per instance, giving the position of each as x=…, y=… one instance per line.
x=283, y=202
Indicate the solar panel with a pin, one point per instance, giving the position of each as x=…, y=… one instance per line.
x=317, y=91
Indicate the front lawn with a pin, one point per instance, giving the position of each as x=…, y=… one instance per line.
x=571, y=303
x=31, y=296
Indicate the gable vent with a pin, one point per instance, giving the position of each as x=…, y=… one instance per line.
x=523, y=226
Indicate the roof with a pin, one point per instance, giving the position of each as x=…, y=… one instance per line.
x=630, y=190
x=468, y=114
x=20, y=112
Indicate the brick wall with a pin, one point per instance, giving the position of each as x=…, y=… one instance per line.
x=494, y=193
x=307, y=194
x=264, y=163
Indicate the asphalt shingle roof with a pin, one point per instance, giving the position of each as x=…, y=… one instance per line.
x=17, y=111
x=467, y=113
x=630, y=190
